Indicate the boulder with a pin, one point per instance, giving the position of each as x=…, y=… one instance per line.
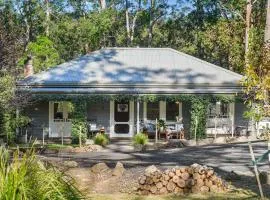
x=70, y=163
x=100, y=168
x=206, y=141
x=119, y=169
x=188, y=143
x=220, y=140
x=89, y=142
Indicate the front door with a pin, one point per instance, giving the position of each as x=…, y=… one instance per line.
x=59, y=122
x=122, y=118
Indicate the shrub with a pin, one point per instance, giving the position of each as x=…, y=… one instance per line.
x=78, y=129
x=101, y=139
x=140, y=138
x=27, y=178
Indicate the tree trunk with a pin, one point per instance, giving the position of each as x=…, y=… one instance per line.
x=47, y=21
x=127, y=23
x=248, y=20
x=267, y=24
x=102, y=4
x=150, y=28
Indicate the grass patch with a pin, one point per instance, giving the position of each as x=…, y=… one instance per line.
x=140, y=138
x=101, y=139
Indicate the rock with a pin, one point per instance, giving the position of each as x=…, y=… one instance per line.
x=139, y=147
x=67, y=149
x=150, y=170
x=100, y=168
x=89, y=142
x=265, y=177
x=232, y=176
x=205, y=141
x=220, y=140
x=119, y=169
x=188, y=142
x=70, y=163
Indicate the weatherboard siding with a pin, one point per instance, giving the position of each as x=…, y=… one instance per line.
x=99, y=112
x=39, y=115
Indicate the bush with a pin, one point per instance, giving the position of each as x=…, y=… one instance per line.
x=140, y=138
x=78, y=129
x=28, y=178
x=101, y=139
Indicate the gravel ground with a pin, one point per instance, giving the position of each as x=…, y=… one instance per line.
x=224, y=158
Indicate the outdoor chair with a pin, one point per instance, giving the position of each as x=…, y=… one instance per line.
x=92, y=128
x=174, y=130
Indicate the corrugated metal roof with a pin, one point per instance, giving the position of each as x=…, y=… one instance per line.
x=135, y=66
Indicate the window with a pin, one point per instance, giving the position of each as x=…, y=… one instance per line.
x=172, y=111
x=224, y=110
x=218, y=109
x=152, y=111
x=212, y=110
x=58, y=110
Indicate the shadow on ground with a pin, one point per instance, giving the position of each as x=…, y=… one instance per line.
x=223, y=158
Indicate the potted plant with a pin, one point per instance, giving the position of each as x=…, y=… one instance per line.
x=161, y=125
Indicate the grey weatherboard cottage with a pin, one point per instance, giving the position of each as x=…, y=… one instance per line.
x=131, y=71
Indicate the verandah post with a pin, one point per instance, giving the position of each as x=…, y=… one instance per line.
x=80, y=137
x=138, y=116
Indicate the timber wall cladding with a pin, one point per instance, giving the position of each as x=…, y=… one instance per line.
x=192, y=179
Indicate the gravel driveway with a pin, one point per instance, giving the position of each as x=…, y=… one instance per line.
x=223, y=158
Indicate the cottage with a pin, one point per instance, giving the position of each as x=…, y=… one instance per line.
x=125, y=88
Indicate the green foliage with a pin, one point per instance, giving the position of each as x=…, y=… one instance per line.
x=198, y=117
x=43, y=52
x=27, y=178
x=79, y=126
x=257, y=86
x=161, y=124
x=7, y=84
x=140, y=138
x=101, y=139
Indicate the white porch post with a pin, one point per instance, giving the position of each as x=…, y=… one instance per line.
x=162, y=110
x=144, y=112
x=131, y=117
x=180, y=110
x=232, y=115
x=111, y=118
x=138, y=116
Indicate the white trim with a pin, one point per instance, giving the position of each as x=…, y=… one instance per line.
x=232, y=116
x=180, y=110
x=145, y=111
x=130, y=122
x=111, y=118
x=162, y=110
x=138, y=117
x=59, y=128
x=131, y=118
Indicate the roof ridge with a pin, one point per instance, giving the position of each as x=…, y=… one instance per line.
x=208, y=63
x=144, y=48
